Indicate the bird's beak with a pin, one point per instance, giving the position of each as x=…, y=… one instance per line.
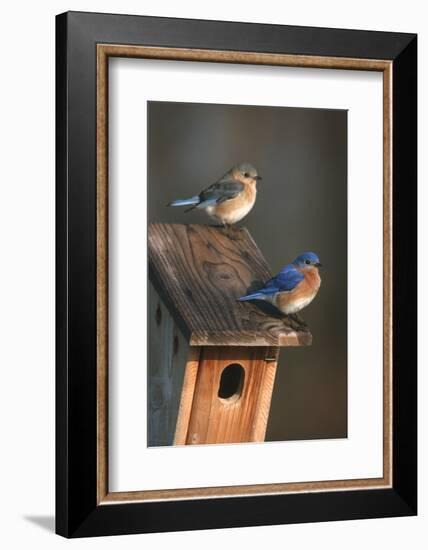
x=318, y=264
x=258, y=178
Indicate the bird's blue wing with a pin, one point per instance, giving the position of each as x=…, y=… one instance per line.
x=286, y=280
x=223, y=190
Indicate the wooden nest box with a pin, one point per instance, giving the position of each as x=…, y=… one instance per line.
x=212, y=359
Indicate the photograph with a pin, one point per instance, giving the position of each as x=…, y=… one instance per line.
x=247, y=320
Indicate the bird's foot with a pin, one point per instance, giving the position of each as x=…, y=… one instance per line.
x=296, y=320
x=227, y=229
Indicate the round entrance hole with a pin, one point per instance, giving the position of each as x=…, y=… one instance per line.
x=231, y=382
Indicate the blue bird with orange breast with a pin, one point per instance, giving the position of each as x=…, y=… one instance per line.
x=230, y=198
x=295, y=286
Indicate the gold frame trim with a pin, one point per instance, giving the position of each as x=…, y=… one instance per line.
x=104, y=51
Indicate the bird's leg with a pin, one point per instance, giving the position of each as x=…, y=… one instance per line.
x=230, y=230
x=297, y=320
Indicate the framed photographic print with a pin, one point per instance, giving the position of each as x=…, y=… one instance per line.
x=236, y=274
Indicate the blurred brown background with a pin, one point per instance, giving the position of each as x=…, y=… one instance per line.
x=301, y=206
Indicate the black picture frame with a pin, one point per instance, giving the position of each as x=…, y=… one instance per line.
x=77, y=512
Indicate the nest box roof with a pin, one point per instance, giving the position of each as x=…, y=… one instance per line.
x=199, y=271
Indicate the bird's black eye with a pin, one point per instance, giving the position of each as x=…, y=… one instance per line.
x=307, y=262
x=247, y=175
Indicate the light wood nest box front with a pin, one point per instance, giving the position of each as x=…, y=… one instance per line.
x=212, y=359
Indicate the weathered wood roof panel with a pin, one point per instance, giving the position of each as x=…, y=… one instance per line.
x=200, y=271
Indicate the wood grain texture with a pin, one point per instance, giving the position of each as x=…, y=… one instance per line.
x=187, y=394
x=387, y=275
x=168, y=352
x=258, y=430
x=243, y=416
x=242, y=57
x=200, y=271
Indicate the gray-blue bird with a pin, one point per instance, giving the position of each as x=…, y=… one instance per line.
x=229, y=199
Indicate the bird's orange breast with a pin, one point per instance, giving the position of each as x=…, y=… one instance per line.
x=302, y=294
x=235, y=209
x=312, y=278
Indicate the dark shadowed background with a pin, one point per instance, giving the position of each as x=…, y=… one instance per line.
x=301, y=206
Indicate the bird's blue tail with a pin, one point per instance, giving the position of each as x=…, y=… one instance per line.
x=185, y=202
x=254, y=296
